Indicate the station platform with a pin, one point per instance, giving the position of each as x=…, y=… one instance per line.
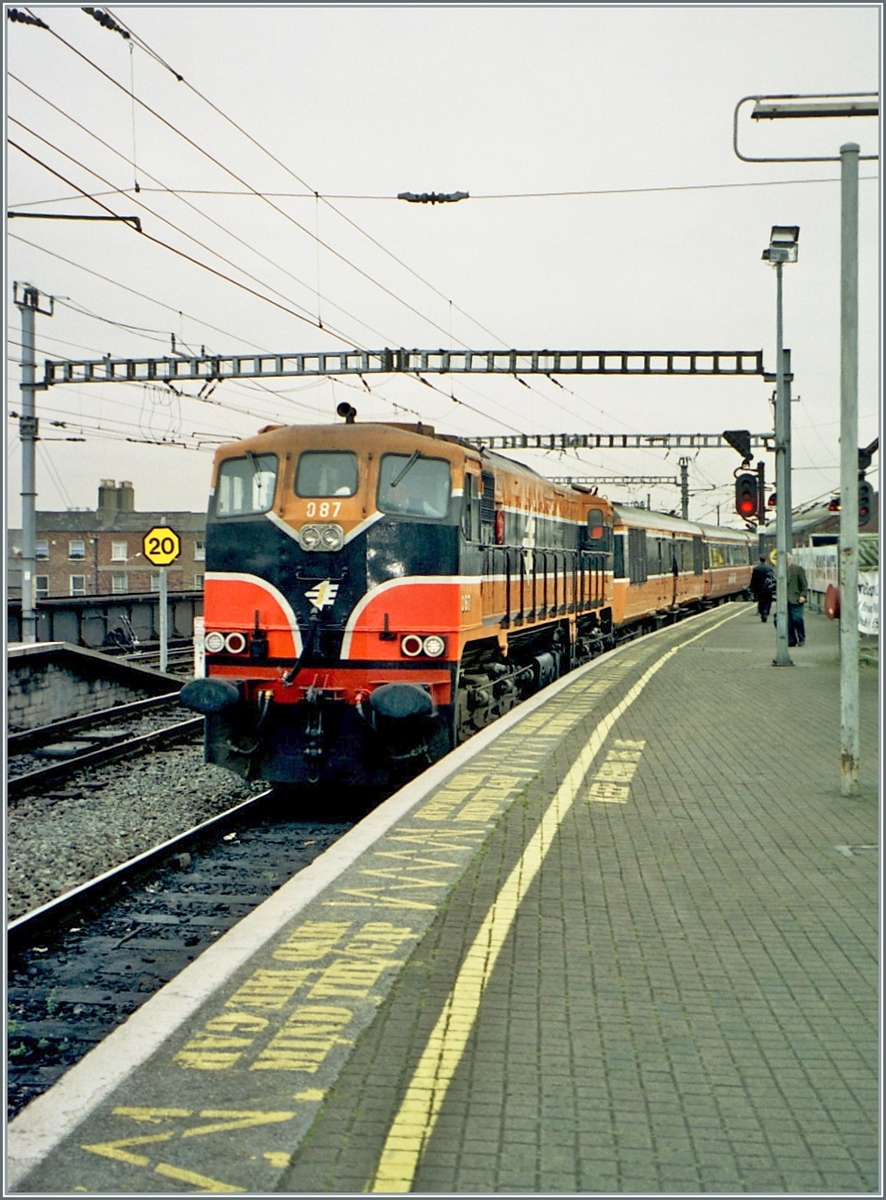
x=624, y=941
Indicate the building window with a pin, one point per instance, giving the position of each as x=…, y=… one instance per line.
x=76, y=549
x=119, y=583
x=155, y=583
x=198, y=581
x=42, y=586
x=199, y=551
x=78, y=585
x=41, y=548
x=119, y=551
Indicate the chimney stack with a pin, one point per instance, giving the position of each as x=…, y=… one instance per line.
x=107, y=497
x=126, y=497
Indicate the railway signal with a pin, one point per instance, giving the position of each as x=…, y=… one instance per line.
x=746, y=495
x=740, y=440
x=865, y=501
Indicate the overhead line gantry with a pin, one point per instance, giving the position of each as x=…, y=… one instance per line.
x=181, y=368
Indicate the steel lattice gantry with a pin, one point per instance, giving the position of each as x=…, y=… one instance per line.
x=616, y=480
x=615, y=441
x=202, y=368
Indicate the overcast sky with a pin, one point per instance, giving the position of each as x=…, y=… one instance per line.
x=607, y=211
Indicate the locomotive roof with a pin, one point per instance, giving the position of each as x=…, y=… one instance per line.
x=489, y=458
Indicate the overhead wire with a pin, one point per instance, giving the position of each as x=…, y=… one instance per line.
x=276, y=208
x=172, y=309
x=309, y=190
x=200, y=212
x=165, y=245
x=244, y=183
x=685, y=187
x=204, y=265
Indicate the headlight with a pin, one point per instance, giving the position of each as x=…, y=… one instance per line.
x=434, y=645
x=332, y=537
x=235, y=643
x=322, y=537
x=411, y=645
x=213, y=642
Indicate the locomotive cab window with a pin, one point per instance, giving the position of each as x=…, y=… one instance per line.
x=326, y=473
x=246, y=485
x=414, y=486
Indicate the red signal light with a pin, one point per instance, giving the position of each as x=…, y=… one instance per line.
x=865, y=501
x=746, y=495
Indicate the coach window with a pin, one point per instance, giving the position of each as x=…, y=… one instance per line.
x=246, y=485
x=414, y=486
x=637, y=568
x=653, y=560
x=618, y=556
x=326, y=473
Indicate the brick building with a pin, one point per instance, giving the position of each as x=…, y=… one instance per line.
x=100, y=553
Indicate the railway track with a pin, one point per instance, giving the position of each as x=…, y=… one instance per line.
x=178, y=661
x=41, y=757
x=80, y=965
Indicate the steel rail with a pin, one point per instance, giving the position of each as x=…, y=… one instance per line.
x=23, y=928
x=58, y=770
x=17, y=743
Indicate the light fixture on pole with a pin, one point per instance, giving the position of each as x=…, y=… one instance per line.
x=782, y=248
x=855, y=104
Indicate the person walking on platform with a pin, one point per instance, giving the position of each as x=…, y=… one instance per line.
x=763, y=587
x=797, y=588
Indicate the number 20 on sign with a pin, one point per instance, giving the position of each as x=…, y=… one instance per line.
x=161, y=545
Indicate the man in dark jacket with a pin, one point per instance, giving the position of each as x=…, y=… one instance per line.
x=763, y=587
x=797, y=588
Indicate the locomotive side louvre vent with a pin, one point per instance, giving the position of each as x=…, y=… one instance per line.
x=487, y=501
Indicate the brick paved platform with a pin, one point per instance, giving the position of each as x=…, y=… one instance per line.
x=629, y=944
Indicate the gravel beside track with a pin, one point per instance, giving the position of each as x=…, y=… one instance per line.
x=83, y=827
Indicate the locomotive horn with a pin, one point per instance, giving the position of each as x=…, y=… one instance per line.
x=347, y=411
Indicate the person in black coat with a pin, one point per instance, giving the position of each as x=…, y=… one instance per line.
x=763, y=587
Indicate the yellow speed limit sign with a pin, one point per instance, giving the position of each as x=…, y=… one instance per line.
x=161, y=545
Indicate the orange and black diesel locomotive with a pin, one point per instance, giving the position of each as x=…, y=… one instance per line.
x=375, y=593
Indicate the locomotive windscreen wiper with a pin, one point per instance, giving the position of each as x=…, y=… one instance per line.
x=413, y=459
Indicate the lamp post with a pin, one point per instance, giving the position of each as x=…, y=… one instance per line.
x=782, y=248
x=849, y=464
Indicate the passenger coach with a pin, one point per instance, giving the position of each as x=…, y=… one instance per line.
x=662, y=564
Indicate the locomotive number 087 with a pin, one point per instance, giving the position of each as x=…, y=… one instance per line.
x=325, y=508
